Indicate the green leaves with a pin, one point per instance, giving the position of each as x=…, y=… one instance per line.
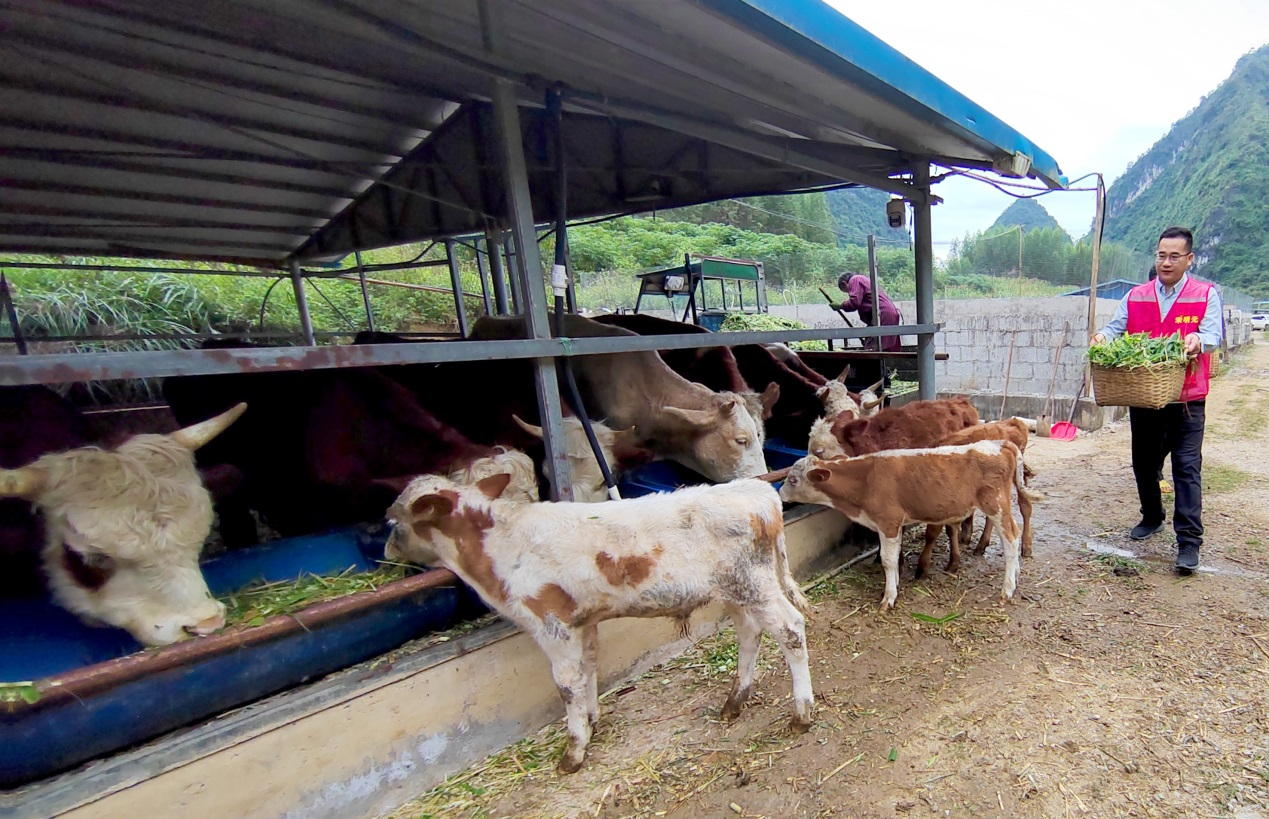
x=1134, y=350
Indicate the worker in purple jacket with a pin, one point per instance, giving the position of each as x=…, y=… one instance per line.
x=859, y=289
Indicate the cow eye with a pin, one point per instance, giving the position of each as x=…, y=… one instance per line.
x=742, y=441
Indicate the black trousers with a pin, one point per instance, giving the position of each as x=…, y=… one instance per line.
x=1177, y=429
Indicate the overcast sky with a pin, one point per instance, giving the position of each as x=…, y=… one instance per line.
x=1094, y=83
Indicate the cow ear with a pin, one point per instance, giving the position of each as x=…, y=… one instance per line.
x=695, y=419
x=430, y=508
x=494, y=485
x=769, y=397
x=819, y=475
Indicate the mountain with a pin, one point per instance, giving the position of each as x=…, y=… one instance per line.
x=1028, y=213
x=856, y=212
x=1210, y=173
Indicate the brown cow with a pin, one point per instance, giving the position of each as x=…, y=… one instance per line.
x=720, y=435
x=912, y=426
x=1013, y=430
x=889, y=490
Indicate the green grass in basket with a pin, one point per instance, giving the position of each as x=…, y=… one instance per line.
x=1138, y=350
x=254, y=604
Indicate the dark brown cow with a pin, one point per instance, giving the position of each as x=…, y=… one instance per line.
x=34, y=421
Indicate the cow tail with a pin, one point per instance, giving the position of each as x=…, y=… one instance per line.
x=787, y=583
x=1019, y=480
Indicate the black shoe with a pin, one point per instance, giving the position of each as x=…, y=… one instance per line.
x=1144, y=530
x=1187, y=559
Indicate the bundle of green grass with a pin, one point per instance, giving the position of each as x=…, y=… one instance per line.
x=741, y=322
x=1139, y=351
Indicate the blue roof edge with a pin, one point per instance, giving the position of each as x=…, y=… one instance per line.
x=885, y=72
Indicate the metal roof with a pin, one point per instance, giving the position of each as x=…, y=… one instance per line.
x=264, y=130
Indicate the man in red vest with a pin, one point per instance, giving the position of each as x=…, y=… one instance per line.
x=1170, y=304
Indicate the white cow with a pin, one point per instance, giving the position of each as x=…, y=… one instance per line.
x=124, y=529
x=559, y=569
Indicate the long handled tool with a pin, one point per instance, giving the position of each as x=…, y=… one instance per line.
x=839, y=311
x=1044, y=424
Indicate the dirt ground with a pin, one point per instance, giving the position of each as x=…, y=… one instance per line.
x=1111, y=687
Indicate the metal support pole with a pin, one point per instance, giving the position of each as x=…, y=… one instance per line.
x=493, y=243
x=923, y=225
x=484, y=277
x=456, y=279
x=301, y=304
x=872, y=278
x=515, y=272
x=528, y=273
x=365, y=294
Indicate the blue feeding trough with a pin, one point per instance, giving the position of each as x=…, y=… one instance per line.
x=666, y=476
x=99, y=692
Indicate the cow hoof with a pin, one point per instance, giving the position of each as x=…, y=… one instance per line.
x=799, y=726
x=730, y=712
x=569, y=766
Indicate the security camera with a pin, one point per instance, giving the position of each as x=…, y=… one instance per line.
x=896, y=213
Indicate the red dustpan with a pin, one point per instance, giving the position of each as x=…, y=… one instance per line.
x=1065, y=430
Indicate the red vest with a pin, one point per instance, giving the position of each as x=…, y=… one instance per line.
x=1184, y=318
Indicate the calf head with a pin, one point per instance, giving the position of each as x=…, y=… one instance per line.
x=822, y=443
x=436, y=519
x=724, y=442
x=806, y=481
x=124, y=529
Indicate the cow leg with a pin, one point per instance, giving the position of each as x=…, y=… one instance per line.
x=1008, y=527
x=953, y=549
x=748, y=634
x=923, y=562
x=568, y=669
x=967, y=528
x=890, y=562
x=984, y=538
x=590, y=667
x=787, y=627
x=1024, y=506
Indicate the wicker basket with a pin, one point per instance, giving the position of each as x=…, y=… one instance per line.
x=1137, y=386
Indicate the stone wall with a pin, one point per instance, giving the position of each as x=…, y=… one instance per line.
x=976, y=335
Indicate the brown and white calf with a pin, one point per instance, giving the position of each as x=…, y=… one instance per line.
x=559, y=569
x=889, y=490
x=1014, y=430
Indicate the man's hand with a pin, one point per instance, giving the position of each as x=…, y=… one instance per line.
x=1193, y=345
x=1098, y=338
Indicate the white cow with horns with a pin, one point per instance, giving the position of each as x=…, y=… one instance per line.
x=124, y=529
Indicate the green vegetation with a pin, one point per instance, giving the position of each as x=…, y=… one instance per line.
x=1027, y=214
x=255, y=604
x=739, y=322
x=1218, y=479
x=1134, y=350
x=1209, y=173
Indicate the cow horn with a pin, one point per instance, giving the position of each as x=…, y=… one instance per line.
x=192, y=437
x=536, y=432
x=871, y=404
x=844, y=374
x=873, y=389
x=23, y=482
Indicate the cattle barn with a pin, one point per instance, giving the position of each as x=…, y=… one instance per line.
x=281, y=141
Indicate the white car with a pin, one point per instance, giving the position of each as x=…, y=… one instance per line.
x=1259, y=321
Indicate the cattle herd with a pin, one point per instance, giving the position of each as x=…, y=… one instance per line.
x=113, y=530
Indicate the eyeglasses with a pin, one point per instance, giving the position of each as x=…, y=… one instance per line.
x=1170, y=257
